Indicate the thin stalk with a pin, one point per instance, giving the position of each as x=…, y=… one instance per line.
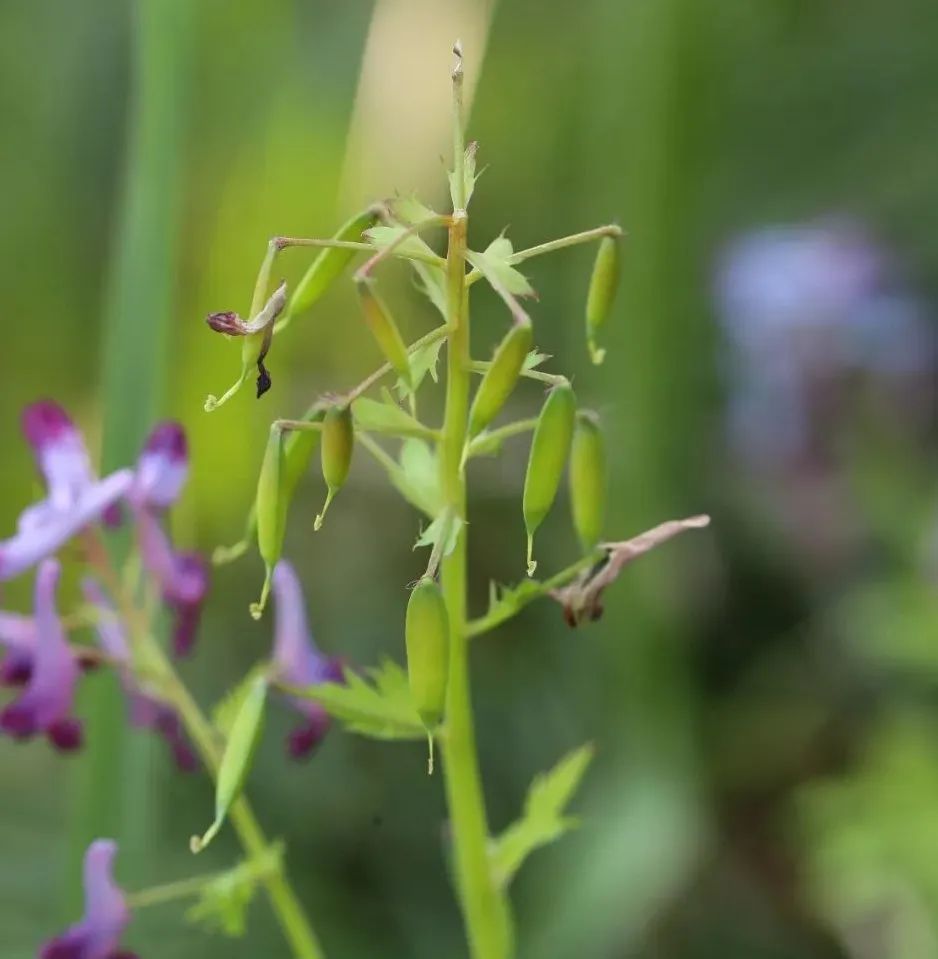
x=497, y=436
x=574, y=239
x=554, y=379
x=484, y=913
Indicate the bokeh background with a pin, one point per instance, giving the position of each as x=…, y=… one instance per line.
x=762, y=695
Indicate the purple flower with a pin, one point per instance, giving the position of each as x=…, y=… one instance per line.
x=298, y=662
x=183, y=577
x=18, y=634
x=74, y=500
x=98, y=934
x=146, y=711
x=45, y=705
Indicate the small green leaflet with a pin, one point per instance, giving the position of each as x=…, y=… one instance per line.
x=386, y=416
x=410, y=210
x=223, y=902
x=226, y=709
x=237, y=758
x=422, y=362
x=543, y=820
x=469, y=177
x=505, y=602
x=494, y=266
x=444, y=525
x=379, y=706
x=432, y=283
x=384, y=236
x=418, y=477
x=533, y=360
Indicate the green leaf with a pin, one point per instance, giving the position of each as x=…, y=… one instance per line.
x=237, y=758
x=422, y=362
x=383, y=236
x=387, y=417
x=506, y=601
x=379, y=706
x=410, y=210
x=494, y=266
x=223, y=902
x=533, y=360
x=469, y=176
x=418, y=479
x=431, y=281
x=226, y=709
x=444, y=525
x=543, y=820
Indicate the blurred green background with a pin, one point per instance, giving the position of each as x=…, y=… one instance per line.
x=762, y=695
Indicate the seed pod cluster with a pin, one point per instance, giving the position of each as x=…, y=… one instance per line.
x=500, y=378
x=587, y=478
x=549, y=449
x=602, y=292
x=328, y=265
x=338, y=444
x=426, y=633
x=384, y=329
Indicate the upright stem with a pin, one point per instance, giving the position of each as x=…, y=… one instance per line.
x=484, y=911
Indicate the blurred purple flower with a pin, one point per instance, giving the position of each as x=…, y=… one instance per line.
x=45, y=705
x=146, y=711
x=298, y=662
x=75, y=498
x=183, y=577
x=18, y=635
x=98, y=934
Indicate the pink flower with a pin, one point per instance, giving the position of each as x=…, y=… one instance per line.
x=98, y=934
x=46, y=703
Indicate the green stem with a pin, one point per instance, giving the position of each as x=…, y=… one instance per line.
x=497, y=436
x=484, y=912
x=574, y=239
x=171, y=891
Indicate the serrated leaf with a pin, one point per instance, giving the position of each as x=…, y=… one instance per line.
x=386, y=416
x=418, y=479
x=533, y=360
x=506, y=601
x=383, y=236
x=379, y=706
x=498, y=271
x=444, y=525
x=422, y=362
x=469, y=177
x=410, y=210
x=543, y=820
x=225, y=710
x=223, y=902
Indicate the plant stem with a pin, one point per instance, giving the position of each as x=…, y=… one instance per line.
x=484, y=913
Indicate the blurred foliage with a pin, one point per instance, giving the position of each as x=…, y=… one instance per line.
x=762, y=697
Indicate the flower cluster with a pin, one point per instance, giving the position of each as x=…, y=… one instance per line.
x=39, y=658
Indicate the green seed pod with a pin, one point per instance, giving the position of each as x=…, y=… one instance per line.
x=549, y=449
x=588, y=480
x=338, y=442
x=384, y=330
x=237, y=759
x=328, y=265
x=602, y=292
x=286, y=459
x=426, y=634
x=500, y=378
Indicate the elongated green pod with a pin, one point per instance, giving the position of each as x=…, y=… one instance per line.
x=427, y=638
x=236, y=761
x=270, y=511
x=500, y=378
x=587, y=477
x=338, y=443
x=328, y=265
x=384, y=329
x=602, y=292
x=549, y=449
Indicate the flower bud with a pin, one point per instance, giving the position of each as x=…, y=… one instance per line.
x=602, y=291
x=427, y=638
x=500, y=378
x=328, y=265
x=588, y=480
x=549, y=448
x=338, y=442
x=384, y=330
